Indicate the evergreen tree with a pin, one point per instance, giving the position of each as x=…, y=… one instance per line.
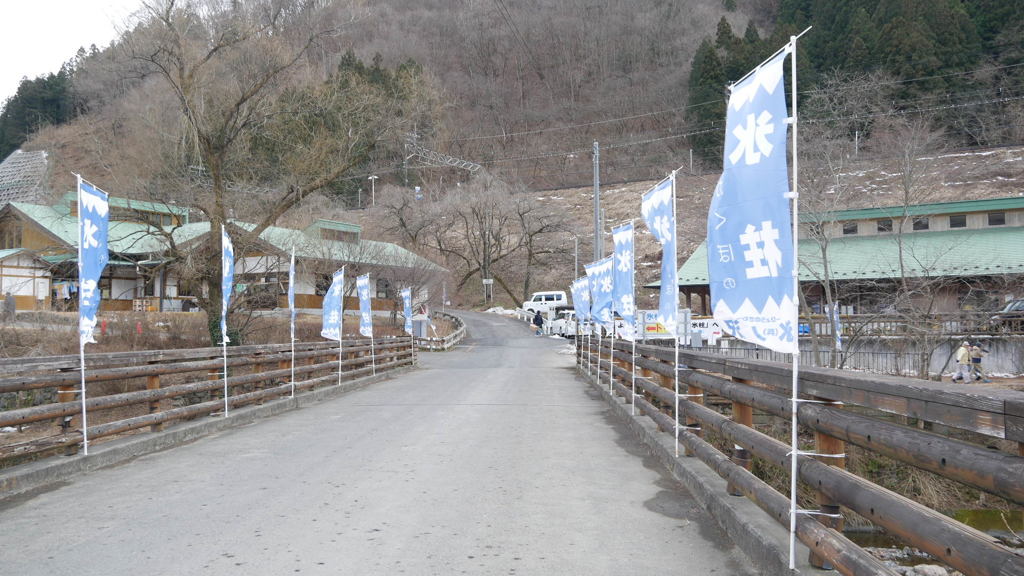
x=46, y=100
x=706, y=106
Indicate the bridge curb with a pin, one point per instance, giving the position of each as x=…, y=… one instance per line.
x=37, y=476
x=762, y=540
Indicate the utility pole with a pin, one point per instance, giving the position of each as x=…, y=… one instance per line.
x=598, y=239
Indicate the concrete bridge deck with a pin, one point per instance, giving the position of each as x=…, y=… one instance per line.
x=495, y=458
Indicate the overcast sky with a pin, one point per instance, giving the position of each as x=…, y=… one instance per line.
x=40, y=35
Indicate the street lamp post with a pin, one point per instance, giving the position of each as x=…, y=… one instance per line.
x=373, y=195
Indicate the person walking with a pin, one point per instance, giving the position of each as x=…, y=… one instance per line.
x=977, y=353
x=963, y=363
x=538, y=321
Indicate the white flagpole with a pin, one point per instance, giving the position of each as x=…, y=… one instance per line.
x=291, y=316
x=85, y=421
x=81, y=340
x=586, y=337
x=675, y=329
x=599, y=341
x=632, y=398
x=373, y=361
x=796, y=355
x=224, y=346
x=611, y=358
x=223, y=315
x=341, y=326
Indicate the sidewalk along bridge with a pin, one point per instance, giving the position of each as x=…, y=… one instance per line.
x=971, y=435
x=491, y=458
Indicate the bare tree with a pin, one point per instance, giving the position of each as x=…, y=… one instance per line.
x=484, y=229
x=259, y=125
x=837, y=114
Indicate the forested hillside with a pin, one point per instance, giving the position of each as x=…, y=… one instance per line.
x=288, y=105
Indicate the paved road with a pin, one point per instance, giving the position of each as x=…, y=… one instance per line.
x=492, y=459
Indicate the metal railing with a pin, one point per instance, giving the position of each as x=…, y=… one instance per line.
x=761, y=386
x=127, y=391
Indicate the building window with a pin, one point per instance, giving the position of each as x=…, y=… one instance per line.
x=958, y=221
x=921, y=223
x=885, y=225
x=383, y=289
x=10, y=236
x=339, y=235
x=997, y=218
x=849, y=228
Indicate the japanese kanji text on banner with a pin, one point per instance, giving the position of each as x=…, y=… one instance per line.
x=750, y=245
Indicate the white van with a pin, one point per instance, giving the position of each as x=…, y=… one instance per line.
x=544, y=302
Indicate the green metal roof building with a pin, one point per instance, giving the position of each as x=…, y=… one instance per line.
x=972, y=241
x=138, y=241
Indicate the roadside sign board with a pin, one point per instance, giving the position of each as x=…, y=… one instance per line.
x=709, y=328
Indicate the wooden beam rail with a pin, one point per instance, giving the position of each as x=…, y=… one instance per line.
x=997, y=473
x=37, y=381
x=846, y=556
x=970, y=551
x=317, y=362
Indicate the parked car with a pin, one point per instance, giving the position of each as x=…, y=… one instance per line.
x=545, y=302
x=1010, y=318
x=564, y=322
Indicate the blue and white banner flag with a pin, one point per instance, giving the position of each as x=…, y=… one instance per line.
x=837, y=325
x=407, y=309
x=291, y=292
x=750, y=244
x=93, y=223
x=365, y=311
x=601, y=283
x=658, y=207
x=334, y=307
x=623, y=300
x=581, y=298
x=227, y=281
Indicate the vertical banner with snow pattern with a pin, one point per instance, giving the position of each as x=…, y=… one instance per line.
x=581, y=299
x=658, y=207
x=334, y=307
x=600, y=274
x=93, y=223
x=365, y=310
x=750, y=244
x=227, y=281
x=623, y=299
x=407, y=309
x=291, y=293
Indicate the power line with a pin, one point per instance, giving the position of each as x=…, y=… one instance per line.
x=710, y=102
x=720, y=128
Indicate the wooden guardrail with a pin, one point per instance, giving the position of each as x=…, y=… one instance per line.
x=830, y=416
x=446, y=342
x=155, y=387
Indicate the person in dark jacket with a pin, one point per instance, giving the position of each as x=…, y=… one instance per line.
x=538, y=321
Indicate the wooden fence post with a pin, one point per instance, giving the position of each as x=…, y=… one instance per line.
x=741, y=414
x=66, y=394
x=696, y=395
x=153, y=383
x=825, y=444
